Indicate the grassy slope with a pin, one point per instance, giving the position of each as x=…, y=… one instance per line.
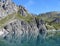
x=29, y=18
x=11, y=17
x=6, y=19
x=50, y=19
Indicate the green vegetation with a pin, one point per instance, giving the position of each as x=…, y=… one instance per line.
x=6, y=19
x=56, y=25
x=57, y=34
x=27, y=18
x=10, y=17
x=49, y=19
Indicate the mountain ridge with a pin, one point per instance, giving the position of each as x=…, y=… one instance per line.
x=19, y=26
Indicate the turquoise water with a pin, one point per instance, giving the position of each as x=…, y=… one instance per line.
x=39, y=41
x=52, y=41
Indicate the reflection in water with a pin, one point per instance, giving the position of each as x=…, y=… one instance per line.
x=39, y=41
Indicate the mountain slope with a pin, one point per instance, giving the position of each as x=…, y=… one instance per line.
x=18, y=26
x=52, y=18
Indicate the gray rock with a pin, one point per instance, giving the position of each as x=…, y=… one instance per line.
x=7, y=7
x=21, y=30
x=22, y=11
x=56, y=20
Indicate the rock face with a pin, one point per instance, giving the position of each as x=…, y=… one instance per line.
x=56, y=20
x=22, y=27
x=21, y=30
x=54, y=16
x=7, y=7
x=22, y=11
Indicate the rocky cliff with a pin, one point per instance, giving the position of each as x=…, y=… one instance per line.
x=52, y=18
x=19, y=26
x=20, y=30
x=7, y=7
